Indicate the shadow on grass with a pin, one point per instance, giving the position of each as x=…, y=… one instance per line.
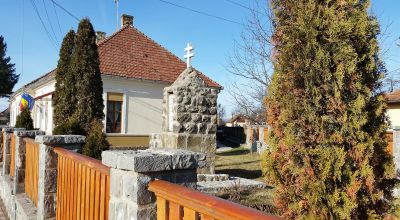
x=237, y=164
x=229, y=143
x=234, y=152
x=248, y=174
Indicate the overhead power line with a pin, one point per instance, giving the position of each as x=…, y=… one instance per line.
x=240, y=5
x=244, y=6
x=65, y=10
x=49, y=20
x=58, y=19
x=43, y=25
x=202, y=13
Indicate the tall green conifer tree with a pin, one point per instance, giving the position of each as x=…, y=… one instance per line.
x=86, y=66
x=328, y=151
x=64, y=100
x=8, y=77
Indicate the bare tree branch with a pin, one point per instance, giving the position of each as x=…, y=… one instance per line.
x=251, y=66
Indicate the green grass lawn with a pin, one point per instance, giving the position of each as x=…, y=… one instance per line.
x=240, y=162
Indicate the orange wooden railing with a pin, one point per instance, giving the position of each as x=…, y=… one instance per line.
x=83, y=186
x=178, y=202
x=12, y=159
x=31, y=169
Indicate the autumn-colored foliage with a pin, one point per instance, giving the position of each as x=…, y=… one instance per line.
x=328, y=154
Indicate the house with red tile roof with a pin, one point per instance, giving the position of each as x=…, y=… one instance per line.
x=393, y=108
x=135, y=70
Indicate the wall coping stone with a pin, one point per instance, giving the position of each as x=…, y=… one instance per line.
x=60, y=139
x=28, y=133
x=153, y=160
x=11, y=130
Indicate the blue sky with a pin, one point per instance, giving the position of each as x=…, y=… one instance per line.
x=170, y=26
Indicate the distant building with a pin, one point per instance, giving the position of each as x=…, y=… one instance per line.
x=393, y=108
x=237, y=121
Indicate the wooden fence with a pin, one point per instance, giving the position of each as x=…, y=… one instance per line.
x=31, y=169
x=83, y=187
x=178, y=202
x=12, y=154
x=235, y=134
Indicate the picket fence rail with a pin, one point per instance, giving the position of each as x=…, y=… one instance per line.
x=83, y=187
x=31, y=169
x=12, y=154
x=179, y=202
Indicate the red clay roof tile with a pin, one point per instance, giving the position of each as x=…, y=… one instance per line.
x=393, y=97
x=130, y=53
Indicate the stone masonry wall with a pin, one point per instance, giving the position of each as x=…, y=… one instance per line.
x=191, y=106
x=132, y=171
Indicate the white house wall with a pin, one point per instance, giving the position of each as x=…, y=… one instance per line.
x=393, y=113
x=42, y=113
x=142, y=110
x=142, y=104
x=14, y=109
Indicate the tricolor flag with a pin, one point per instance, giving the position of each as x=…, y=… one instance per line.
x=27, y=101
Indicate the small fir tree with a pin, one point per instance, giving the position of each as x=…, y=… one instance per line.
x=64, y=100
x=86, y=66
x=70, y=127
x=96, y=141
x=24, y=120
x=328, y=154
x=8, y=77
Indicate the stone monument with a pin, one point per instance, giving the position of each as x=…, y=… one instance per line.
x=189, y=116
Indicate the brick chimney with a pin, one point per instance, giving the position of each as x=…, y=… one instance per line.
x=100, y=35
x=126, y=20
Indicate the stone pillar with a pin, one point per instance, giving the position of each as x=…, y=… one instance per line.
x=189, y=117
x=47, y=184
x=7, y=133
x=131, y=172
x=1, y=145
x=20, y=150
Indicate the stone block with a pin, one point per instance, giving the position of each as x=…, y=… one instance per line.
x=183, y=117
x=211, y=128
x=152, y=160
x=25, y=209
x=138, y=212
x=116, y=186
x=11, y=130
x=143, y=195
x=120, y=210
x=50, y=181
x=190, y=128
x=50, y=156
x=203, y=110
x=213, y=110
x=28, y=133
x=60, y=139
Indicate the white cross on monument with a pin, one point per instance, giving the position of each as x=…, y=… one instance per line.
x=189, y=54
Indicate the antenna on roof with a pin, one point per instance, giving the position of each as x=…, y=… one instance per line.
x=116, y=5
